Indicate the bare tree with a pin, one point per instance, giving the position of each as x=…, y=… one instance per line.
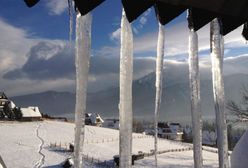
x=240, y=110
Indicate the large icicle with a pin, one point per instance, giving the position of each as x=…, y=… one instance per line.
x=217, y=51
x=70, y=12
x=158, y=84
x=125, y=106
x=83, y=47
x=195, y=98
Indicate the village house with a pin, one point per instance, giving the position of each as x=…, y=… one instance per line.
x=31, y=114
x=111, y=123
x=172, y=131
x=93, y=119
x=3, y=101
x=6, y=106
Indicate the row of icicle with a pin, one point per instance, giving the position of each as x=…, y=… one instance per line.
x=83, y=47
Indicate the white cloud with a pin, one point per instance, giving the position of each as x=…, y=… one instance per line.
x=136, y=26
x=115, y=36
x=14, y=46
x=14, y=43
x=176, y=40
x=143, y=19
x=57, y=7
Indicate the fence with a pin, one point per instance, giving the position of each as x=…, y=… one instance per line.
x=110, y=163
x=98, y=162
x=92, y=141
x=214, y=150
x=167, y=151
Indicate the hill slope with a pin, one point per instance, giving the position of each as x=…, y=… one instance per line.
x=35, y=146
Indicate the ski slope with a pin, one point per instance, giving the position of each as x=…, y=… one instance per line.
x=24, y=144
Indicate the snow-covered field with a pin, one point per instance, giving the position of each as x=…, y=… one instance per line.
x=28, y=144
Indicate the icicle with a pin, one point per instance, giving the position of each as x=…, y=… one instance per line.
x=159, y=79
x=70, y=12
x=195, y=98
x=217, y=50
x=125, y=106
x=83, y=47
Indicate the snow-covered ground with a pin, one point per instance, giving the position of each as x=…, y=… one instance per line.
x=28, y=144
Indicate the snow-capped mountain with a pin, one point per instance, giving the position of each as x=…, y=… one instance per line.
x=175, y=100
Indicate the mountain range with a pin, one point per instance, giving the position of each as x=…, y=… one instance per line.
x=175, y=104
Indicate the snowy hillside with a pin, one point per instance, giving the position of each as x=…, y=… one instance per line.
x=26, y=145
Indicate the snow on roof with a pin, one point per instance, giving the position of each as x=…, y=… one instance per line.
x=12, y=104
x=30, y=112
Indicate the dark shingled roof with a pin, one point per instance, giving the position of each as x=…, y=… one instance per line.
x=231, y=13
x=85, y=6
x=31, y=3
x=3, y=96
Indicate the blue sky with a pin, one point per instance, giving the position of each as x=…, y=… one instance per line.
x=35, y=56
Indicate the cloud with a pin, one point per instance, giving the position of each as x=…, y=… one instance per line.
x=115, y=36
x=136, y=27
x=143, y=19
x=15, y=43
x=176, y=40
x=46, y=60
x=57, y=7
x=53, y=60
x=30, y=64
x=237, y=64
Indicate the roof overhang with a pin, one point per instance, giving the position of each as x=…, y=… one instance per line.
x=231, y=13
x=31, y=3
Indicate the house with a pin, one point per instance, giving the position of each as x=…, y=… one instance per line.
x=111, y=123
x=172, y=131
x=31, y=114
x=6, y=107
x=149, y=131
x=4, y=101
x=93, y=119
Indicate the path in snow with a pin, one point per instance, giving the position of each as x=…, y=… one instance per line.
x=22, y=146
x=40, y=163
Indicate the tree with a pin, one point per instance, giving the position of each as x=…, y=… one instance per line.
x=240, y=110
x=17, y=112
x=8, y=111
x=2, y=114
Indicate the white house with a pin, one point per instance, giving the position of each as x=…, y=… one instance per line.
x=31, y=114
x=93, y=119
x=172, y=131
x=3, y=101
x=112, y=123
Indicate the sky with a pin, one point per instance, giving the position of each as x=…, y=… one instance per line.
x=35, y=56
